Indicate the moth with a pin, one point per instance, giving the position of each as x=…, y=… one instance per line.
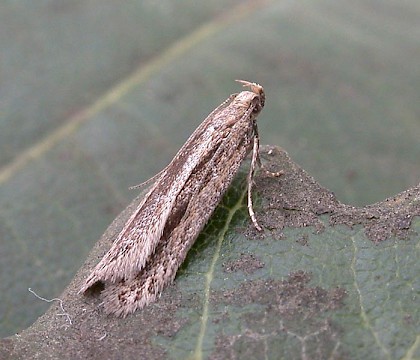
x=154, y=242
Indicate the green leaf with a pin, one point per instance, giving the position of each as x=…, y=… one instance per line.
x=309, y=286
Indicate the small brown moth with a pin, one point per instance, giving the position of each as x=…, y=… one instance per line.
x=154, y=242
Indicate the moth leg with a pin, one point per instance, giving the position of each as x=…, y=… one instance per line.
x=268, y=172
x=254, y=162
x=151, y=180
x=260, y=164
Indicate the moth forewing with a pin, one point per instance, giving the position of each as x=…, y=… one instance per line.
x=142, y=232
x=161, y=269
x=147, y=253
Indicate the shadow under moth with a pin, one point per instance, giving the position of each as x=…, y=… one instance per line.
x=154, y=242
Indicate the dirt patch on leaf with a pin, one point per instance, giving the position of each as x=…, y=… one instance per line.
x=296, y=200
x=274, y=311
x=248, y=263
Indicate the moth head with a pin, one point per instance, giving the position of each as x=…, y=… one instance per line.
x=257, y=89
